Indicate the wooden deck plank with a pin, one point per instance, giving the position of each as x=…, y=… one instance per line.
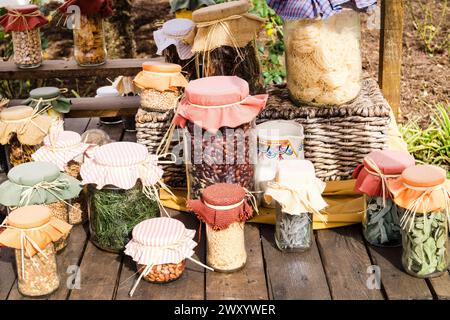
x=248, y=283
x=293, y=275
x=441, y=286
x=345, y=261
x=7, y=272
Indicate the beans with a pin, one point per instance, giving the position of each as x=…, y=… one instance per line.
x=164, y=272
x=154, y=100
x=27, y=48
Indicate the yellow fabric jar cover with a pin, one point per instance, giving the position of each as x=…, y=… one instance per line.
x=160, y=76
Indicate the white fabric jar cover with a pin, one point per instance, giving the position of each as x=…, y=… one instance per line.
x=172, y=33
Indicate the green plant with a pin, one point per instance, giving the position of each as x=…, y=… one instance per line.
x=431, y=145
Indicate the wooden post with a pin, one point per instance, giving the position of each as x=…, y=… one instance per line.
x=389, y=74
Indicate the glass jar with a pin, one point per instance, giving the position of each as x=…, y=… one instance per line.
x=27, y=48
x=89, y=41
x=161, y=101
x=226, y=248
x=293, y=233
x=163, y=273
x=323, y=58
x=113, y=213
x=40, y=272
x=78, y=208
x=60, y=211
x=381, y=224
x=171, y=55
x=18, y=153
x=425, y=245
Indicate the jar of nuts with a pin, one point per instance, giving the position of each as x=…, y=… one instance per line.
x=219, y=116
x=24, y=23
x=31, y=231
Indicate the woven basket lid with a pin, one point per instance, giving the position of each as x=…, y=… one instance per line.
x=162, y=67
x=390, y=161
x=223, y=194
x=45, y=93
x=424, y=176
x=29, y=217
x=31, y=173
x=16, y=113
x=107, y=91
x=221, y=10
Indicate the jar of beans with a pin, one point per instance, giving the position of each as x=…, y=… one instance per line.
x=24, y=23
x=219, y=116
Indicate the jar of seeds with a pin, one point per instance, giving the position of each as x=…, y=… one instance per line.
x=24, y=23
x=298, y=194
x=380, y=222
x=123, y=181
x=219, y=115
x=31, y=231
x=66, y=151
x=49, y=100
x=424, y=194
x=224, y=209
x=41, y=183
x=22, y=130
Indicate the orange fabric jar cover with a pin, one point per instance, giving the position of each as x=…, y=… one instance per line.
x=23, y=18
x=377, y=168
x=220, y=101
x=160, y=76
x=221, y=205
x=36, y=225
x=421, y=189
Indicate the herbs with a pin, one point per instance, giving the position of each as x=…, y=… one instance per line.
x=425, y=245
x=113, y=213
x=381, y=225
x=293, y=232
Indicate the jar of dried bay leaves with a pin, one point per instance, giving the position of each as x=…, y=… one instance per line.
x=297, y=193
x=380, y=222
x=224, y=209
x=30, y=231
x=424, y=192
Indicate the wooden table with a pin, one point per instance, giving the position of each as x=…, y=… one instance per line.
x=338, y=266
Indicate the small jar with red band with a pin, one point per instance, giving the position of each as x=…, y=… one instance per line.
x=224, y=209
x=24, y=22
x=380, y=223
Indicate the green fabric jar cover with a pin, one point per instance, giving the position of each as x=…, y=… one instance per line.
x=45, y=96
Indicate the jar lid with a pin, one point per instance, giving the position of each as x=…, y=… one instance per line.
x=295, y=173
x=223, y=194
x=161, y=67
x=22, y=18
x=424, y=176
x=221, y=10
x=32, y=173
x=63, y=139
x=45, y=93
x=390, y=161
x=29, y=217
x=107, y=91
x=16, y=113
x=158, y=232
x=121, y=154
x=178, y=27
x=29, y=8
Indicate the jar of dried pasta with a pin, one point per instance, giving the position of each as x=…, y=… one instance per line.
x=224, y=43
x=50, y=101
x=40, y=183
x=298, y=196
x=66, y=151
x=31, y=231
x=123, y=190
x=24, y=23
x=423, y=192
x=224, y=209
x=22, y=130
x=381, y=216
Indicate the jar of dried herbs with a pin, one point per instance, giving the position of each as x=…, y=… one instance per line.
x=31, y=231
x=160, y=247
x=123, y=181
x=50, y=101
x=22, y=130
x=24, y=23
x=423, y=192
x=224, y=43
x=66, y=151
x=219, y=115
x=380, y=221
x=298, y=194
x=224, y=209
x=40, y=183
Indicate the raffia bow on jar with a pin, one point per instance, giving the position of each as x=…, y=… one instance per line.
x=160, y=247
x=50, y=100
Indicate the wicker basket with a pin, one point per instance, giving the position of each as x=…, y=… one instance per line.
x=336, y=138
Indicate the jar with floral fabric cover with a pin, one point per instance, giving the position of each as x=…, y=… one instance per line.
x=123, y=190
x=65, y=150
x=224, y=209
x=224, y=42
x=323, y=50
x=381, y=216
x=22, y=130
x=170, y=42
x=32, y=231
x=160, y=248
x=219, y=116
x=24, y=23
x=88, y=32
x=49, y=100
x=424, y=194
x=40, y=183
x=298, y=195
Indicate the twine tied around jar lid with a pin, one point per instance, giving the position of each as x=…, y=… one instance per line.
x=22, y=18
x=49, y=97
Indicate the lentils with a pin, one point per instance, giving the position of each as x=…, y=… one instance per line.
x=163, y=273
x=154, y=100
x=27, y=48
x=60, y=211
